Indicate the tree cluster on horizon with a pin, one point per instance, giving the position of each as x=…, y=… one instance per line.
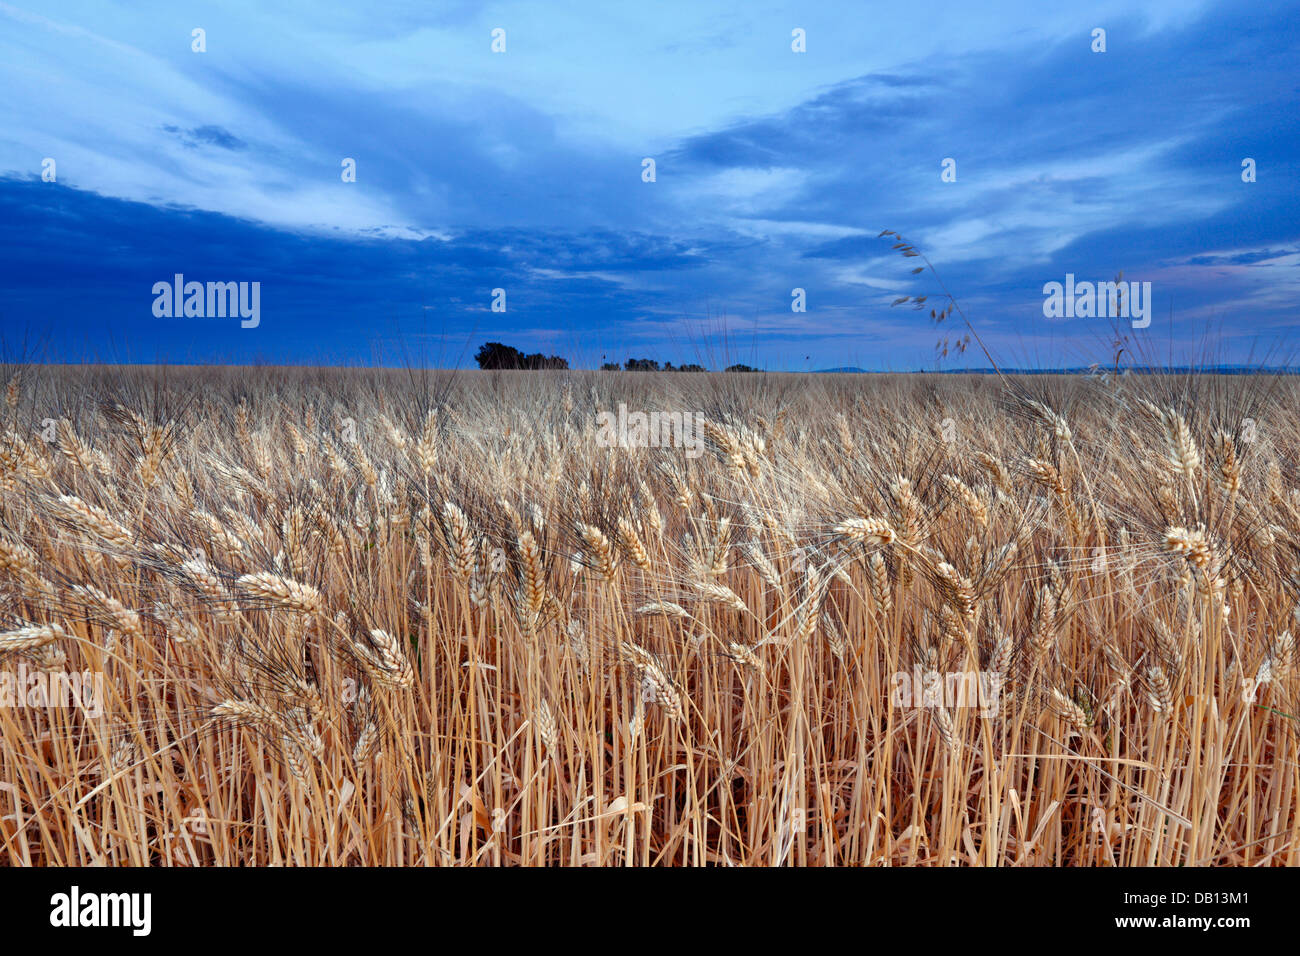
x=497, y=355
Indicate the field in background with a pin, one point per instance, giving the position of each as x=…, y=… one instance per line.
x=358, y=618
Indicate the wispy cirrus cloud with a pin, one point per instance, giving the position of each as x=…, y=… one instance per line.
x=206, y=136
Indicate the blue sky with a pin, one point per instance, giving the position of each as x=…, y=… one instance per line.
x=522, y=170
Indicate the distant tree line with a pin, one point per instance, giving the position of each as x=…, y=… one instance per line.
x=496, y=355
x=650, y=365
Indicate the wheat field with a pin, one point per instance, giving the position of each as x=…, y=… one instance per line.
x=360, y=617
